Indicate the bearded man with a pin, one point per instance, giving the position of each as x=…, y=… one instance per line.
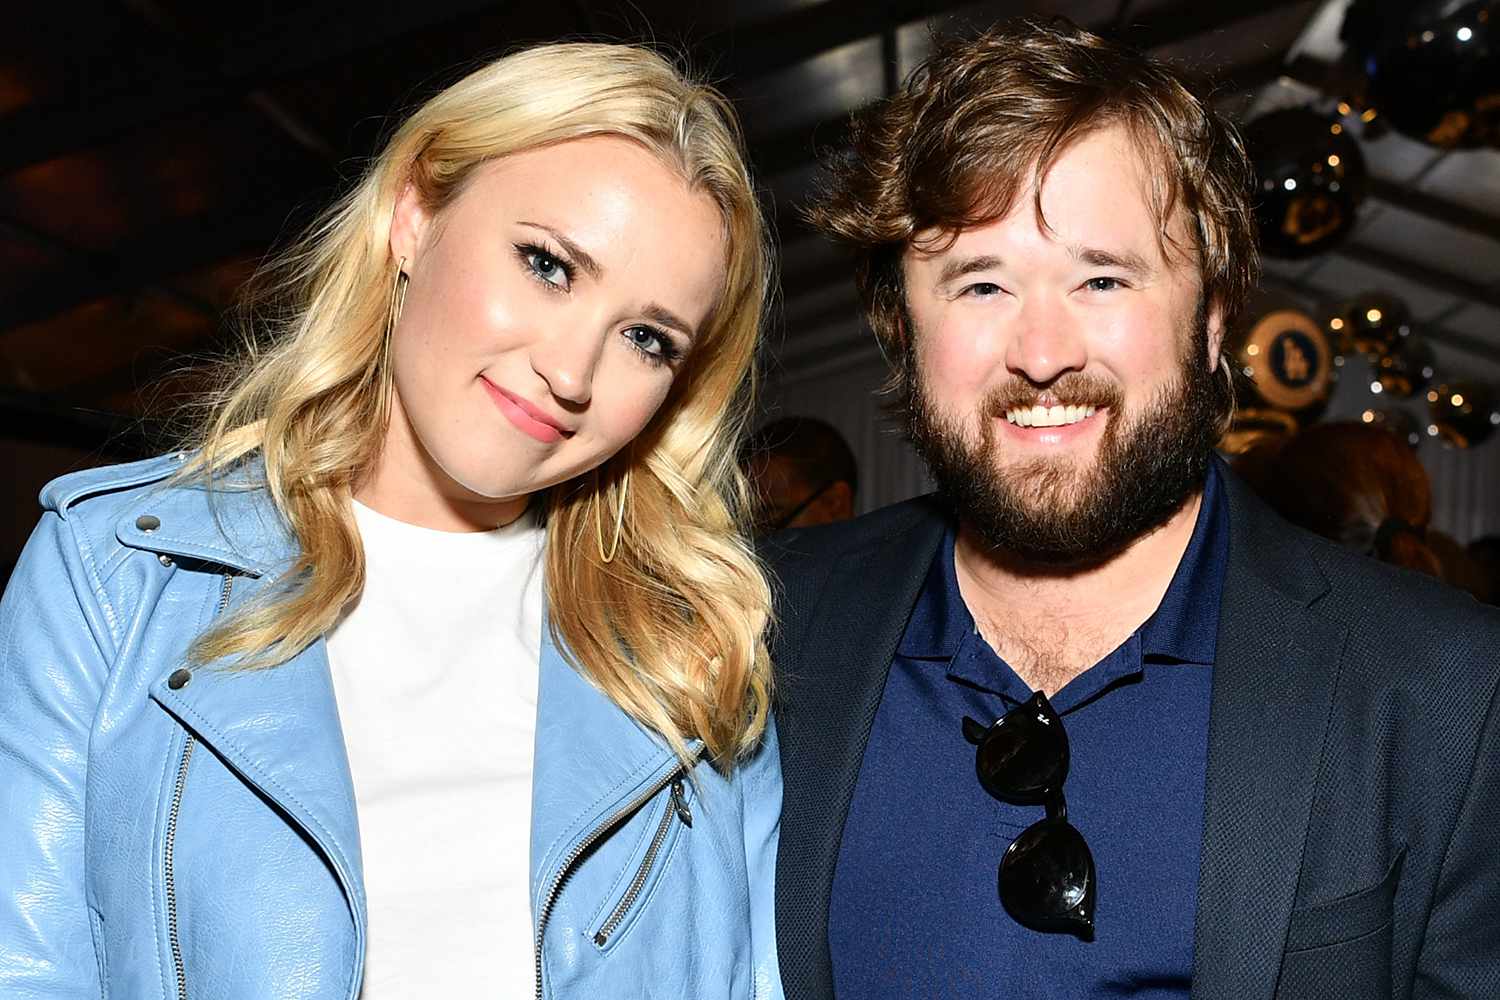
x=1092, y=721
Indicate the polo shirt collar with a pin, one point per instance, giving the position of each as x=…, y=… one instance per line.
x=1183, y=629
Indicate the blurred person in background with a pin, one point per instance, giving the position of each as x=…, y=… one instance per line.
x=1359, y=485
x=801, y=473
x=435, y=666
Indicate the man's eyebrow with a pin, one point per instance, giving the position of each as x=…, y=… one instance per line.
x=1125, y=260
x=575, y=253
x=670, y=319
x=957, y=267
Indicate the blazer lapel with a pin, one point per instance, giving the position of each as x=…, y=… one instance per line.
x=832, y=666
x=1273, y=686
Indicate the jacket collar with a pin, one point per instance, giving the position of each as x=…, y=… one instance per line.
x=232, y=523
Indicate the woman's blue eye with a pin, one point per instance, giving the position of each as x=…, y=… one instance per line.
x=654, y=345
x=545, y=266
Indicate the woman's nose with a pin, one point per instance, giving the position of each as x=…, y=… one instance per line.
x=567, y=360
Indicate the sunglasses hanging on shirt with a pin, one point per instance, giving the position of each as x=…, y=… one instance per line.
x=1047, y=880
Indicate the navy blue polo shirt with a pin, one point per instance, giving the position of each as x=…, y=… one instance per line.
x=915, y=910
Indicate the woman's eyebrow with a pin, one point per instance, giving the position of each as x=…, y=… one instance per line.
x=573, y=250
x=670, y=319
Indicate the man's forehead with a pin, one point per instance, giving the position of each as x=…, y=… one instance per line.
x=1105, y=193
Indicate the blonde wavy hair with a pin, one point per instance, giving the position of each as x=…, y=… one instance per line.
x=672, y=628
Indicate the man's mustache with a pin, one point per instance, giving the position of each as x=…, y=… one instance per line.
x=1069, y=390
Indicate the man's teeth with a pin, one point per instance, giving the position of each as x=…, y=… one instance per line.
x=1049, y=416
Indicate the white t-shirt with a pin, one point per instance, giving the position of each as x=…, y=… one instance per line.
x=435, y=671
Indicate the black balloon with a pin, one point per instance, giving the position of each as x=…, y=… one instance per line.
x=1310, y=179
x=1463, y=413
x=1371, y=323
x=1432, y=67
x=1407, y=369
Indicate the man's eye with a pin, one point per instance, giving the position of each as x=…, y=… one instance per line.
x=982, y=289
x=1103, y=284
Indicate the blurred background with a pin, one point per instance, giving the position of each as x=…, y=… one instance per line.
x=152, y=151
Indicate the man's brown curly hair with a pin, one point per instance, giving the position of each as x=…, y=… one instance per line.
x=984, y=119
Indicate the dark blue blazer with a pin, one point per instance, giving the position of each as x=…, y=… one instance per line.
x=1351, y=833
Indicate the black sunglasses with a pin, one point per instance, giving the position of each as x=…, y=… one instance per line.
x=1047, y=880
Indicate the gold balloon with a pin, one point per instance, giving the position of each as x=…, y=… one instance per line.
x=1406, y=369
x=1371, y=323
x=1463, y=413
x=1284, y=361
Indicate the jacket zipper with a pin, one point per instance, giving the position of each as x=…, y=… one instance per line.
x=676, y=806
x=582, y=847
x=173, y=936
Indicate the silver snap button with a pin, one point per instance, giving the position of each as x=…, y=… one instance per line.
x=181, y=456
x=147, y=523
x=164, y=559
x=179, y=679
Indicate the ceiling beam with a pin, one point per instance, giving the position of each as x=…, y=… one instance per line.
x=1425, y=274
x=755, y=49
x=153, y=261
x=1463, y=217
x=792, y=148
x=45, y=419
x=299, y=40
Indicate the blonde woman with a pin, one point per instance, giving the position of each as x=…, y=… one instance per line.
x=435, y=668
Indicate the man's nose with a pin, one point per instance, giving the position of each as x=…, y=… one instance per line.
x=1049, y=343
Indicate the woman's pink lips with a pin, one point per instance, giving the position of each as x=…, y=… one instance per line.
x=520, y=414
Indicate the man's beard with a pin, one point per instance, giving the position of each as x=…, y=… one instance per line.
x=1048, y=512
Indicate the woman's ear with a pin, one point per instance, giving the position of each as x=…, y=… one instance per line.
x=408, y=224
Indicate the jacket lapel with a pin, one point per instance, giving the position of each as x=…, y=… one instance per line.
x=591, y=760
x=1273, y=685
x=277, y=728
x=831, y=669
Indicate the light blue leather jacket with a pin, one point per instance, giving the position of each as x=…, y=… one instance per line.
x=174, y=832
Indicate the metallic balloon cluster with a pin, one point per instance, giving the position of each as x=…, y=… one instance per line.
x=1378, y=326
x=1430, y=68
x=1284, y=369
x=1286, y=365
x=1310, y=177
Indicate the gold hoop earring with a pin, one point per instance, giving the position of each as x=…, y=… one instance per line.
x=387, y=375
x=614, y=547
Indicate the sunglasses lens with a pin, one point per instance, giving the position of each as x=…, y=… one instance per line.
x=1025, y=754
x=1047, y=879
